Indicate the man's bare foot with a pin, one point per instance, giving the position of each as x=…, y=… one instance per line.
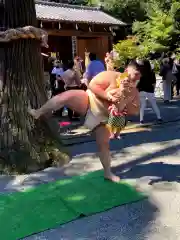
x=34, y=113
x=111, y=177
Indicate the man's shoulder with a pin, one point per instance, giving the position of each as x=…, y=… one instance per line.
x=100, y=62
x=109, y=76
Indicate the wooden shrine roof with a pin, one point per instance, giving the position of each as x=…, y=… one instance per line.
x=51, y=11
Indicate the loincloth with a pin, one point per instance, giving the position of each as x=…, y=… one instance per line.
x=96, y=114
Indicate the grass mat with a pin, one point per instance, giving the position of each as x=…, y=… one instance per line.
x=52, y=204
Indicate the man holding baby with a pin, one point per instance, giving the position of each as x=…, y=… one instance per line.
x=93, y=104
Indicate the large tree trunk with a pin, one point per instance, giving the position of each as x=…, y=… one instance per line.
x=25, y=145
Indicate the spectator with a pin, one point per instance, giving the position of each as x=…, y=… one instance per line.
x=58, y=83
x=168, y=77
x=78, y=65
x=146, y=87
x=94, y=67
x=176, y=73
x=58, y=69
x=72, y=81
x=56, y=73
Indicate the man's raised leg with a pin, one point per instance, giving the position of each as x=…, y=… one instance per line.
x=77, y=100
x=102, y=140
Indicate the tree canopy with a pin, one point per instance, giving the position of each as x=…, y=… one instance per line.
x=126, y=10
x=161, y=30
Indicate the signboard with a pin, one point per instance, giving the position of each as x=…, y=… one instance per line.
x=53, y=54
x=74, y=45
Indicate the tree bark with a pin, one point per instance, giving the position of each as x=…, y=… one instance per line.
x=25, y=144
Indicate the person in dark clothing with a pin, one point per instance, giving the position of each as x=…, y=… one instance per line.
x=168, y=78
x=176, y=73
x=146, y=87
x=52, y=77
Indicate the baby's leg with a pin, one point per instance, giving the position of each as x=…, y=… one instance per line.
x=77, y=100
x=112, y=133
x=112, y=136
x=120, y=126
x=117, y=135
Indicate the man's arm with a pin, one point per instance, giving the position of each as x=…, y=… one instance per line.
x=98, y=86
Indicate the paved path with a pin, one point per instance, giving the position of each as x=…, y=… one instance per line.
x=148, y=159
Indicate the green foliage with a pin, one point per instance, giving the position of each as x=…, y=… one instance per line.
x=178, y=56
x=161, y=31
x=156, y=64
x=126, y=49
x=126, y=10
x=130, y=10
x=130, y=49
x=156, y=23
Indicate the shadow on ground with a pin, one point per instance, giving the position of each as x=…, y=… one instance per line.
x=85, y=155
x=165, y=139
x=158, y=171
x=129, y=222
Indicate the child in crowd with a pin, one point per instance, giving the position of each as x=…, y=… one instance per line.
x=109, y=62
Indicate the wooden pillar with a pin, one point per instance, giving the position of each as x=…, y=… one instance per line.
x=110, y=38
x=74, y=46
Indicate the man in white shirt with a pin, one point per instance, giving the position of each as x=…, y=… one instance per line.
x=57, y=83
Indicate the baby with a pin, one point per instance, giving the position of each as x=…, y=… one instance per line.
x=118, y=112
x=116, y=121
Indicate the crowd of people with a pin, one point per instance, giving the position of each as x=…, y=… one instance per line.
x=170, y=72
x=73, y=75
x=76, y=76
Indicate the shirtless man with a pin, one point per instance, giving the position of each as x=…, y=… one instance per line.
x=94, y=105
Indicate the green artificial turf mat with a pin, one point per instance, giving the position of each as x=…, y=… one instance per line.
x=55, y=203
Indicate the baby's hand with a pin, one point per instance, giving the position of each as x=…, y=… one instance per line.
x=127, y=87
x=114, y=95
x=125, y=83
